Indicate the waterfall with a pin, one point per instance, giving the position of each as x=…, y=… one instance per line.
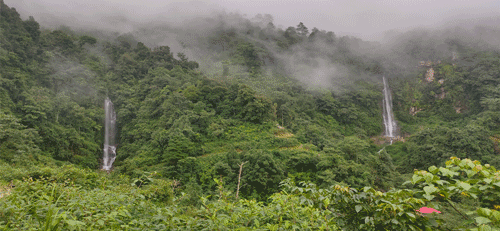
x=109, y=135
x=389, y=122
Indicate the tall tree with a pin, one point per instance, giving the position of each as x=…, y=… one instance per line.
x=302, y=29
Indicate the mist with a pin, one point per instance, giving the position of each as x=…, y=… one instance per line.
x=367, y=20
x=386, y=33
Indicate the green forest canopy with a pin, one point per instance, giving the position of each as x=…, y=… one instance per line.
x=184, y=134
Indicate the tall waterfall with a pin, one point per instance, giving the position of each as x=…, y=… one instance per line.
x=389, y=122
x=109, y=135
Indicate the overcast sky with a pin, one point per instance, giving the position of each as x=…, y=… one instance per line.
x=366, y=19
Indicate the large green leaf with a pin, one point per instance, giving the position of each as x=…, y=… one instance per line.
x=416, y=179
x=430, y=189
x=485, y=228
x=428, y=197
x=428, y=177
x=466, y=186
x=482, y=220
x=496, y=215
x=484, y=212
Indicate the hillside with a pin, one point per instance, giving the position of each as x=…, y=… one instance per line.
x=250, y=127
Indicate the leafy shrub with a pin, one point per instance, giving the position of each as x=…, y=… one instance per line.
x=284, y=142
x=159, y=190
x=463, y=179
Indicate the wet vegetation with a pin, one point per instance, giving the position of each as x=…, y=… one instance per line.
x=277, y=130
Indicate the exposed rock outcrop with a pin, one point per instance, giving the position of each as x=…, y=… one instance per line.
x=414, y=110
x=429, y=76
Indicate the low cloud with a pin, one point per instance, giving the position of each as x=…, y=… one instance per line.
x=186, y=26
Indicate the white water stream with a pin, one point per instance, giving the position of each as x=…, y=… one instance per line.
x=109, y=155
x=389, y=122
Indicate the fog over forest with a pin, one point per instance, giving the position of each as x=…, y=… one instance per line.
x=385, y=26
x=363, y=19
x=249, y=115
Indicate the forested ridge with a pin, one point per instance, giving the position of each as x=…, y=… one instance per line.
x=275, y=130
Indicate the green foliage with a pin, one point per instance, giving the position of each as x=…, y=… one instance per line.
x=17, y=143
x=157, y=190
x=247, y=55
x=366, y=209
x=302, y=30
x=60, y=206
x=81, y=177
x=33, y=28
x=87, y=40
x=178, y=130
x=434, y=145
x=253, y=108
x=62, y=42
x=290, y=37
x=263, y=173
x=341, y=166
x=463, y=179
x=41, y=204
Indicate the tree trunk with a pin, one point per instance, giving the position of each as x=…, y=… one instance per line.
x=239, y=179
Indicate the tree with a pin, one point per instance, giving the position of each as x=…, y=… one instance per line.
x=434, y=145
x=302, y=30
x=248, y=56
x=63, y=41
x=85, y=39
x=343, y=44
x=290, y=36
x=270, y=26
x=163, y=55
x=330, y=37
x=33, y=28
x=263, y=174
x=142, y=51
x=184, y=63
x=179, y=147
x=17, y=143
x=239, y=180
x=314, y=34
x=253, y=108
x=17, y=39
x=127, y=67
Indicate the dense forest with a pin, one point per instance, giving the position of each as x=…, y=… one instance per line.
x=269, y=129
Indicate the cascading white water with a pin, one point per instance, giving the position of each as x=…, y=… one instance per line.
x=109, y=135
x=389, y=122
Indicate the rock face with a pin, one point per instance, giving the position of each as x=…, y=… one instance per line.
x=380, y=140
x=398, y=138
x=429, y=76
x=414, y=110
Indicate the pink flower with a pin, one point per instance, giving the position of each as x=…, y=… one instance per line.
x=427, y=210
